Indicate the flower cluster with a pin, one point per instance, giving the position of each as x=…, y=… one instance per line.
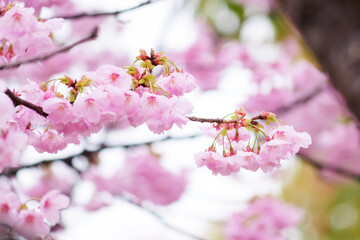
x=143, y=177
x=264, y=218
x=77, y=108
x=262, y=147
x=23, y=35
x=31, y=223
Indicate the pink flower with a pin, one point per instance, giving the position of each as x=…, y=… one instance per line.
x=112, y=75
x=218, y=163
x=51, y=204
x=16, y=22
x=152, y=106
x=174, y=112
x=263, y=218
x=59, y=110
x=177, y=83
x=248, y=160
x=267, y=148
x=49, y=141
x=144, y=177
x=59, y=176
x=12, y=142
x=6, y=109
x=88, y=108
x=31, y=225
x=9, y=205
x=295, y=139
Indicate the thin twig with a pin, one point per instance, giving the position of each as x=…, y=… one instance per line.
x=18, y=101
x=162, y=220
x=92, y=36
x=221, y=120
x=101, y=14
x=329, y=167
x=302, y=100
x=87, y=153
x=212, y=120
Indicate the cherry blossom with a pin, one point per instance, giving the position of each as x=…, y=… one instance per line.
x=263, y=218
x=143, y=177
x=265, y=149
x=51, y=204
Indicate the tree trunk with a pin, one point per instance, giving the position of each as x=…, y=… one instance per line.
x=331, y=28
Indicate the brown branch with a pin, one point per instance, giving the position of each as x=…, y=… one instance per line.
x=221, y=120
x=211, y=120
x=92, y=36
x=161, y=219
x=18, y=101
x=102, y=14
x=88, y=154
x=329, y=167
x=300, y=101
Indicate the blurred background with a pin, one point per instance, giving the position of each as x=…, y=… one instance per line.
x=242, y=53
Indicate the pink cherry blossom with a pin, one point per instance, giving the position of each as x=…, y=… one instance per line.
x=59, y=110
x=264, y=218
x=241, y=150
x=51, y=204
x=12, y=142
x=58, y=176
x=31, y=225
x=178, y=83
x=6, y=109
x=9, y=205
x=112, y=75
x=48, y=141
x=144, y=177
x=217, y=163
x=174, y=113
x=295, y=139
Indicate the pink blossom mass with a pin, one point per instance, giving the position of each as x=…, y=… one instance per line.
x=191, y=119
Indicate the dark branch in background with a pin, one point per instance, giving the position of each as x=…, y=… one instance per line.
x=88, y=154
x=331, y=28
x=329, y=167
x=300, y=101
x=102, y=14
x=92, y=36
x=18, y=101
x=161, y=219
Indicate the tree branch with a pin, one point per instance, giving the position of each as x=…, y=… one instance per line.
x=300, y=101
x=161, y=219
x=18, y=101
x=332, y=168
x=102, y=14
x=92, y=36
x=221, y=120
x=87, y=153
x=211, y=120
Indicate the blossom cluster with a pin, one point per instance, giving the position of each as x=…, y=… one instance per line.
x=12, y=140
x=30, y=222
x=23, y=35
x=143, y=177
x=248, y=144
x=77, y=108
x=263, y=218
